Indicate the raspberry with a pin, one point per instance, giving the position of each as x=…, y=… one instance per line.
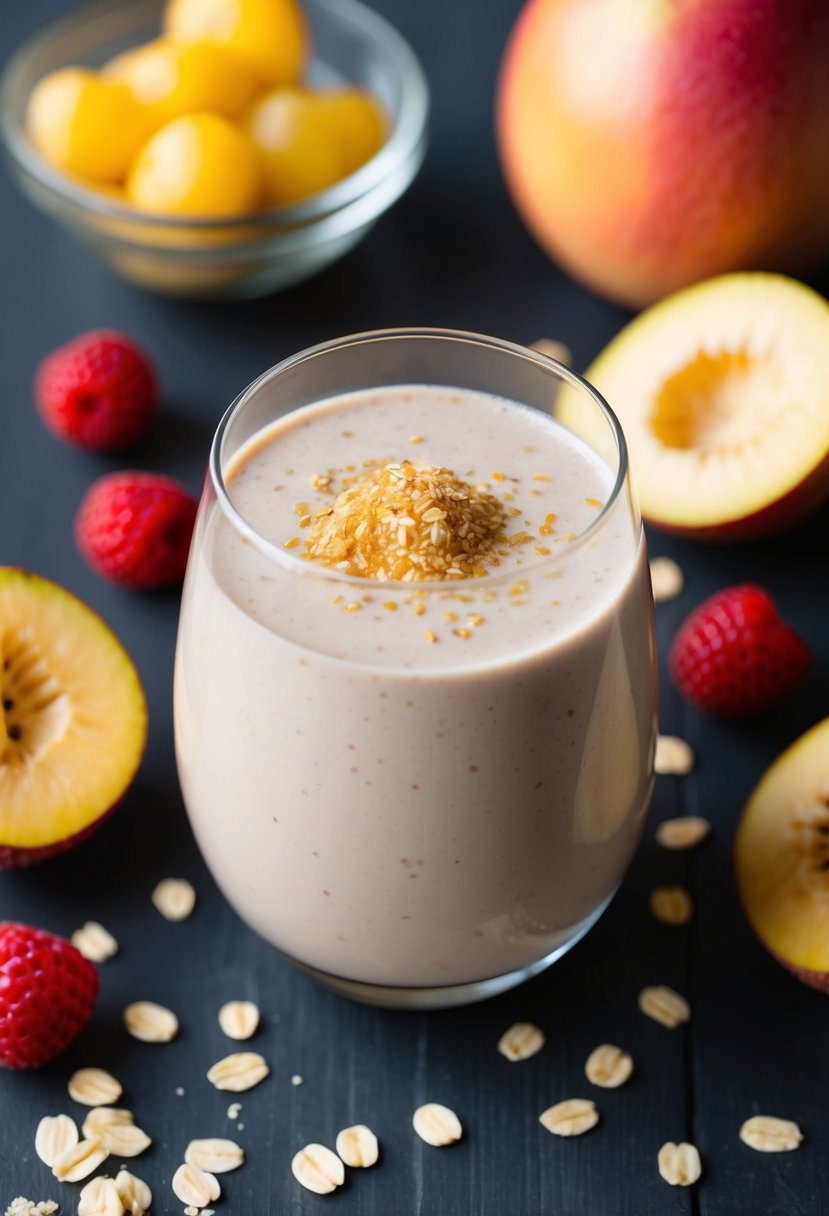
x=47, y=994
x=135, y=529
x=734, y=657
x=99, y=391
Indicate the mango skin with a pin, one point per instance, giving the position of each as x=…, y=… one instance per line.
x=649, y=145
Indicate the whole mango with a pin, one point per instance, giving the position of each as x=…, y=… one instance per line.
x=651, y=143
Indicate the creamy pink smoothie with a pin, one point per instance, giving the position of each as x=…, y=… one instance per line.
x=418, y=783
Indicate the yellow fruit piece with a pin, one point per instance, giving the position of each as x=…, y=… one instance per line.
x=73, y=719
x=85, y=126
x=170, y=79
x=271, y=34
x=298, y=145
x=722, y=391
x=197, y=166
x=359, y=121
x=781, y=858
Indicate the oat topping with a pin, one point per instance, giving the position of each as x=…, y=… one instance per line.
x=573, y=1117
x=408, y=522
x=436, y=1124
x=679, y=1164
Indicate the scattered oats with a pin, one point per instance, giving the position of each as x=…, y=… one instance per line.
x=80, y=1161
x=150, y=1023
x=666, y=579
x=125, y=1140
x=101, y=1118
x=100, y=1198
x=95, y=942
x=415, y=439
x=94, y=1087
x=608, y=1066
x=593, y=502
x=296, y=1079
x=292, y=543
x=194, y=1186
x=239, y=1019
x=671, y=905
x=573, y=1117
x=216, y=1155
x=54, y=1137
x=116, y=1130
x=553, y=350
x=430, y=637
x=664, y=1006
x=390, y=606
x=174, y=898
x=234, y=1110
x=135, y=1195
x=27, y=1207
x=239, y=1071
x=521, y=1041
x=768, y=1134
x=673, y=757
x=683, y=833
x=358, y=1146
x=436, y=1124
x=318, y=1169
x=679, y=1164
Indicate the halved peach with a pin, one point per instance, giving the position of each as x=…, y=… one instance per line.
x=73, y=719
x=781, y=856
x=722, y=391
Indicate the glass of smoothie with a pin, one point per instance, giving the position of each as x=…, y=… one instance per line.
x=415, y=693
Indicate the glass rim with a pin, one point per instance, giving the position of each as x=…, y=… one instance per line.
x=403, y=141
x=300, y=566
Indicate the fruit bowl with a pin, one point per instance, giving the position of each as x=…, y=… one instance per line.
x=249, y=256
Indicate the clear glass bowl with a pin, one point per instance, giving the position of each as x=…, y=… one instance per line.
x=268, y=250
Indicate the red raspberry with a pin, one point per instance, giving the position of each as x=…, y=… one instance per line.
x=99, y=391
x=47, y=994
x=734, y=657
x=135, y=529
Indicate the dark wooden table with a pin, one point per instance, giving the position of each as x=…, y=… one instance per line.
x=451, y=253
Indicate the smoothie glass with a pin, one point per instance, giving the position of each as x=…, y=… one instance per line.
x=417, y=825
